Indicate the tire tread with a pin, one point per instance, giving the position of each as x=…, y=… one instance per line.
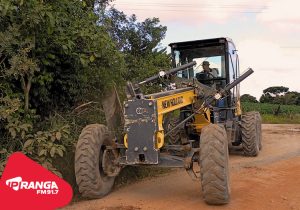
x=214, y=165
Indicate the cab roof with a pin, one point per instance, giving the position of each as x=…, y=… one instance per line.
x=201, y=43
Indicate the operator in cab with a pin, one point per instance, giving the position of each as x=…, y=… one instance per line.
x=207, y=75
x=207, y=70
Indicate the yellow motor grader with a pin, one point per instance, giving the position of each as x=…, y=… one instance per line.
x=189, y=125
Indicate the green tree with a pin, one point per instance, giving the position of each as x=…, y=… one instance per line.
x=57, y=55
x=276, y=90
x=139, y=42
x=53, y=55
x=92, y=4
x=273, y=94
x=57, y=51
x=291, y=98
x=248, y=98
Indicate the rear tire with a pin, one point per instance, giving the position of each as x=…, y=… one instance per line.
x=90, y=177
x=259, y=132
x=251, y=133
x=214, y=165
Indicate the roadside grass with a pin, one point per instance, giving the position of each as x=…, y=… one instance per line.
x=265, y=108
x=287, y=114
x=281, y=119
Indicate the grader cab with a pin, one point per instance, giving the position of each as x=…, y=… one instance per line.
x=192, y=122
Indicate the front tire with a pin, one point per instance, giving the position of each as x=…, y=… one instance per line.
x=214, y=165
x=90, y=177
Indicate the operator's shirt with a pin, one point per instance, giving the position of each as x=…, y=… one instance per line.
x=214, y=72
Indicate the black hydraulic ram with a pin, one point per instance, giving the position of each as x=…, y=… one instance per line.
x=224, y=91
x=215, y=97
x=171, y=71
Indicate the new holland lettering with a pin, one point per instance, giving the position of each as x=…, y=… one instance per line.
x=172, y=102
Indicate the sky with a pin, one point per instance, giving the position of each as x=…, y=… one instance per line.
x=265, y=32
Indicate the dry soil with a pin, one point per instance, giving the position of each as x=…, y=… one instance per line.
x=269, y=181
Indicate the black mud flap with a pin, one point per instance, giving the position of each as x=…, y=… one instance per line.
x=141, y=126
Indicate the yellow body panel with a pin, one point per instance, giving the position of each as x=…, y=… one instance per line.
x=201, y=120
x=168, y=104
x=126, y=140
x=160, y=139
x=238, y=110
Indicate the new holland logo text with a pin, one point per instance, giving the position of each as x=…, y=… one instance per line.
x=172, y=102
x=42, y=187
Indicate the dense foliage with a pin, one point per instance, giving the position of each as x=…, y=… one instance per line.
x=265, y=108
x=248, y=98
x=139, y=42
x=275, y=95
x=274, y=113
x=57, y=58
x=53, y=49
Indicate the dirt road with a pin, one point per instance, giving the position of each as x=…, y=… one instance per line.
x=269, y=181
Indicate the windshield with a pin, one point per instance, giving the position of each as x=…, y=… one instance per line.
x=213, y=55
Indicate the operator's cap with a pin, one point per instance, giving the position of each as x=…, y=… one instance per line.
x=205, y=63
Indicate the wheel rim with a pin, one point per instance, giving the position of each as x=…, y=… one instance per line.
x=101, y=170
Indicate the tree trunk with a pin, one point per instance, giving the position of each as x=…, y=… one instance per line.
x=26, y=88
x=277, y=110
